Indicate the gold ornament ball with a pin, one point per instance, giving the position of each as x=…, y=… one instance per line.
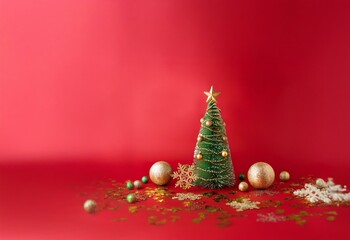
x=284, y=176
x=224, y=153
x=208, y=123
x=199, y=156
x=199, y=139
x=202, y=120
x=160, y=173
x=320, y=183
x=138, y=184
x=224, y=138
x=90, y=206
x=243, y=186
x=261, y=175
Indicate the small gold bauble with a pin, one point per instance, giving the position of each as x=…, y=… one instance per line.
x=284, y=176
x=224, y=153
x=243, y=186
x=224, y=138
x=208, y=123
x=202, y=120
x=199, y=138
x=138, y=184
x=199, y=156
x=261, y=175
x=330, y=182
x=320, y=183
x=160, y=173
x=90, y=206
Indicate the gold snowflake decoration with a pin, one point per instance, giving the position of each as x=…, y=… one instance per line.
x=185, y=175
x=187, y=196
x=242, y=204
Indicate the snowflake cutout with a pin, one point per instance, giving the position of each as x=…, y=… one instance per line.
x=243, y=204
x=328, y=194
x=189, y=196
x=270, y=217
x=185, y=175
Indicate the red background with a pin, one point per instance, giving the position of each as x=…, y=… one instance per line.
x=115, y=79
x=121, y=82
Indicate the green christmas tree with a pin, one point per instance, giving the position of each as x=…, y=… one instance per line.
x=212, y=158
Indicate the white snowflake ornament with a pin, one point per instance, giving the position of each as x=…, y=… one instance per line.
x=328, y=194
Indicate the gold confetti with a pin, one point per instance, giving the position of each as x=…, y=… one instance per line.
x=175, y=218
x=133, y=209
x=121, y=219
x=201, y=217
x=155, y=221
x=158, y=194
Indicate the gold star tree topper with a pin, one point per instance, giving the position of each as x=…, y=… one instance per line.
x=211, y=95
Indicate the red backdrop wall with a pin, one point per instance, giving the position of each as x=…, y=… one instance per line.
x=124, y=80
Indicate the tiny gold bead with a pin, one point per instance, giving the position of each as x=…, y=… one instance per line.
x=243, y=186
x=199, y=156
x=284, y=176
x=208, y=123
x=224, y=153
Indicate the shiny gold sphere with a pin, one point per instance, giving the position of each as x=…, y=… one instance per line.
x=243, y=186
x=261, y=175
x=224, y=153
x=320, y=183
x=138, y=184
x=90, y=206
x=202, y=120
x=199, y=138
x=208, y=123
x=224, y=138
x=199, y=156
x=160, y=173
x=284, y=176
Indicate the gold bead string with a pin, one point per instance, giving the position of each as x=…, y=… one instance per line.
x=212, y=130
x=214, y=111
x=212, y=179
x=213, y=135
x=217, y=123
x=204, y=137
x=210, y=171
x=209, y=143
x=214, y=117
x=204, y=149
x=213, y=114
x=215, y=161
x=212, y=106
